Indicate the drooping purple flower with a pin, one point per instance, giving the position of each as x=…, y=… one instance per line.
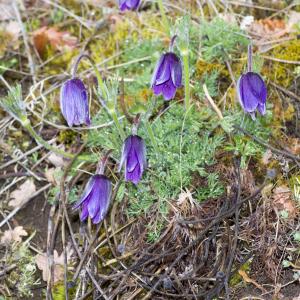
x=129, y=4
x=252, y=93
x=167, y=76
x=134, y=158
x=95, y=199
x=74, y=102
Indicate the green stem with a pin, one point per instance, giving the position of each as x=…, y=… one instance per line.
x=98, y=75
x=186, y=70
x=26, y=124
x=117, y=123
x=151, y=135
x=102, y=86
x=164, y=16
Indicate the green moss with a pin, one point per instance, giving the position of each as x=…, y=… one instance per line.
x=283, y=73
x=60, y=64
x=67, y=136
x=6, y=40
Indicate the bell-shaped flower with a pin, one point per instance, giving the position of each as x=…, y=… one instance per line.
x=95, y=199
x=133, y=158
x=167, y=76
x=252, y=90
x=252, y=93
x=129, y=4
x=74, y=102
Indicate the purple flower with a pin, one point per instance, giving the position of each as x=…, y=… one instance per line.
x=95, y=199
x=74, y=102
x=134, y=157
x=252, y=93
x=129, y=4
x=167, y=75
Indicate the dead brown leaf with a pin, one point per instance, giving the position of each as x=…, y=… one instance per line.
x=58, y=264
x=57, y=160
x=282, y=200
x=247, y=181
x=266, y=158
x=13, y=235
x=268, y=29
x=22, y=194
x=50, y=36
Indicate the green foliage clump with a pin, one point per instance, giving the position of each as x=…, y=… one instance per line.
x=221, y=40
x=184, y=149
x=148, y=51
x=106, y=137
x=210, y=79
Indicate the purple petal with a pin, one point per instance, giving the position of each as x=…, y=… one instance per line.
x=128, y=4
x=140, y=150
x=248, y=101
x=252, y=92
x=132, y=160
x=125, y=151
x=135, y=158
x=157, y=89
x=94, y=201
x=84, y=212
x=157, y=70
x=104, y=199
x=164, y=73
x=74, y=102
x=86, y=192
x=133, y=4
x=258, y=86
x=169, y=90
x=176, y=73
x=100, y=197
x=261, y=108
x=135, y=175
x=67, y=104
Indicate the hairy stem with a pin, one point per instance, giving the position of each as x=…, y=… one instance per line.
x=41, y=141
x=250, y=57
x=98, y=75
x=151, y=135
x=117, y=123
x=186, y=72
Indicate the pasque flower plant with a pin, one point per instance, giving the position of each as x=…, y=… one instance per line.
x=251, y=90
x=167, y=76
x=95, y=199
x=74, y=102
x=133, y=158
